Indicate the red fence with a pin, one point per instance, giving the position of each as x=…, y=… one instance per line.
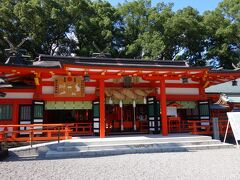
x=205, y=127
x=81, y=129
x=34, y=132
x=43, y=132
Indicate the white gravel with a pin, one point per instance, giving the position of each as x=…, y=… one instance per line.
x=212, y=164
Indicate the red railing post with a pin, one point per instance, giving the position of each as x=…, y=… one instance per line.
x=31, y=136
x=66, y=132
x=14, y=134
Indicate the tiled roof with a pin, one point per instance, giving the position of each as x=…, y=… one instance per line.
x=91, y=61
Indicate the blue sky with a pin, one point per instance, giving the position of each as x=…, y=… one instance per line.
x=200, y=5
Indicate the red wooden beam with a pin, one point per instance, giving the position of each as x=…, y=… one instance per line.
x=29, y=69
x=17, y=90
x=15, y=101
x=111, y=84
x=51, y=97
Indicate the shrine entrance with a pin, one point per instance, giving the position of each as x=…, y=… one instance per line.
x=126, y=119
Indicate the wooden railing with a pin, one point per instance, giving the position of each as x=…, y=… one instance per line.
x=143, y=126
x=184, y=126
x=205, y=127
x=81, y=129
x=174, y=124
x=34, y=132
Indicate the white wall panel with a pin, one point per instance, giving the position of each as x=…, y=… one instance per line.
x=173, y=81
x=48, y=90
x=142, y=81
x=90, y=90
x=18, y=96
x=180, y=81
x=51, y=79
x=109, y=80
x=184, y=91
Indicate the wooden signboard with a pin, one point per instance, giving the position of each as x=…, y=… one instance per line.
x=234, y=121
x=69, y=86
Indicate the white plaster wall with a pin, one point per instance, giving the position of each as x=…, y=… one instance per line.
x=192, y=82
x=109, y=80
x=92, y=80
x=51, y=79
x=174, y=81
x=142, y=81
x=180, y=81
x=90, y=90
x=183, y=91
x=48, y=90
x=18, y=96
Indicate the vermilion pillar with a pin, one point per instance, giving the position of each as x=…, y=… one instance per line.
x=15, y=113
x=102, y=109
x=163, y=107
x=15, y=117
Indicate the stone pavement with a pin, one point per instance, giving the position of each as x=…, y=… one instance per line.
x=219, y=164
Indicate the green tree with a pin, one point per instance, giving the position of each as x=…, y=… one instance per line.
x=133, y=29
x=223, y=28
x=47, y=26
x=96, y=26
x=135, y=21
x=47, y=22
x=184, y=36
x=152, y=41
x=9, y=25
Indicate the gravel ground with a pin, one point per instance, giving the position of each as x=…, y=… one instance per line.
x=212, y=164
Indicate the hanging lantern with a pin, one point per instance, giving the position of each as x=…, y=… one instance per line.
x=86, y=77
x=184, y=80
x=2, y=94
x=234, y=82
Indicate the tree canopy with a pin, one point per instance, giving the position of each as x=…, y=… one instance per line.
x=133, y=29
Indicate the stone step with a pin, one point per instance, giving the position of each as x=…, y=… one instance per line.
x=123, y=140
x=131, y=150
x=107, y=145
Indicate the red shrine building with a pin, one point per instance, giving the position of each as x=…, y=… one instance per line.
x=103, y=96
